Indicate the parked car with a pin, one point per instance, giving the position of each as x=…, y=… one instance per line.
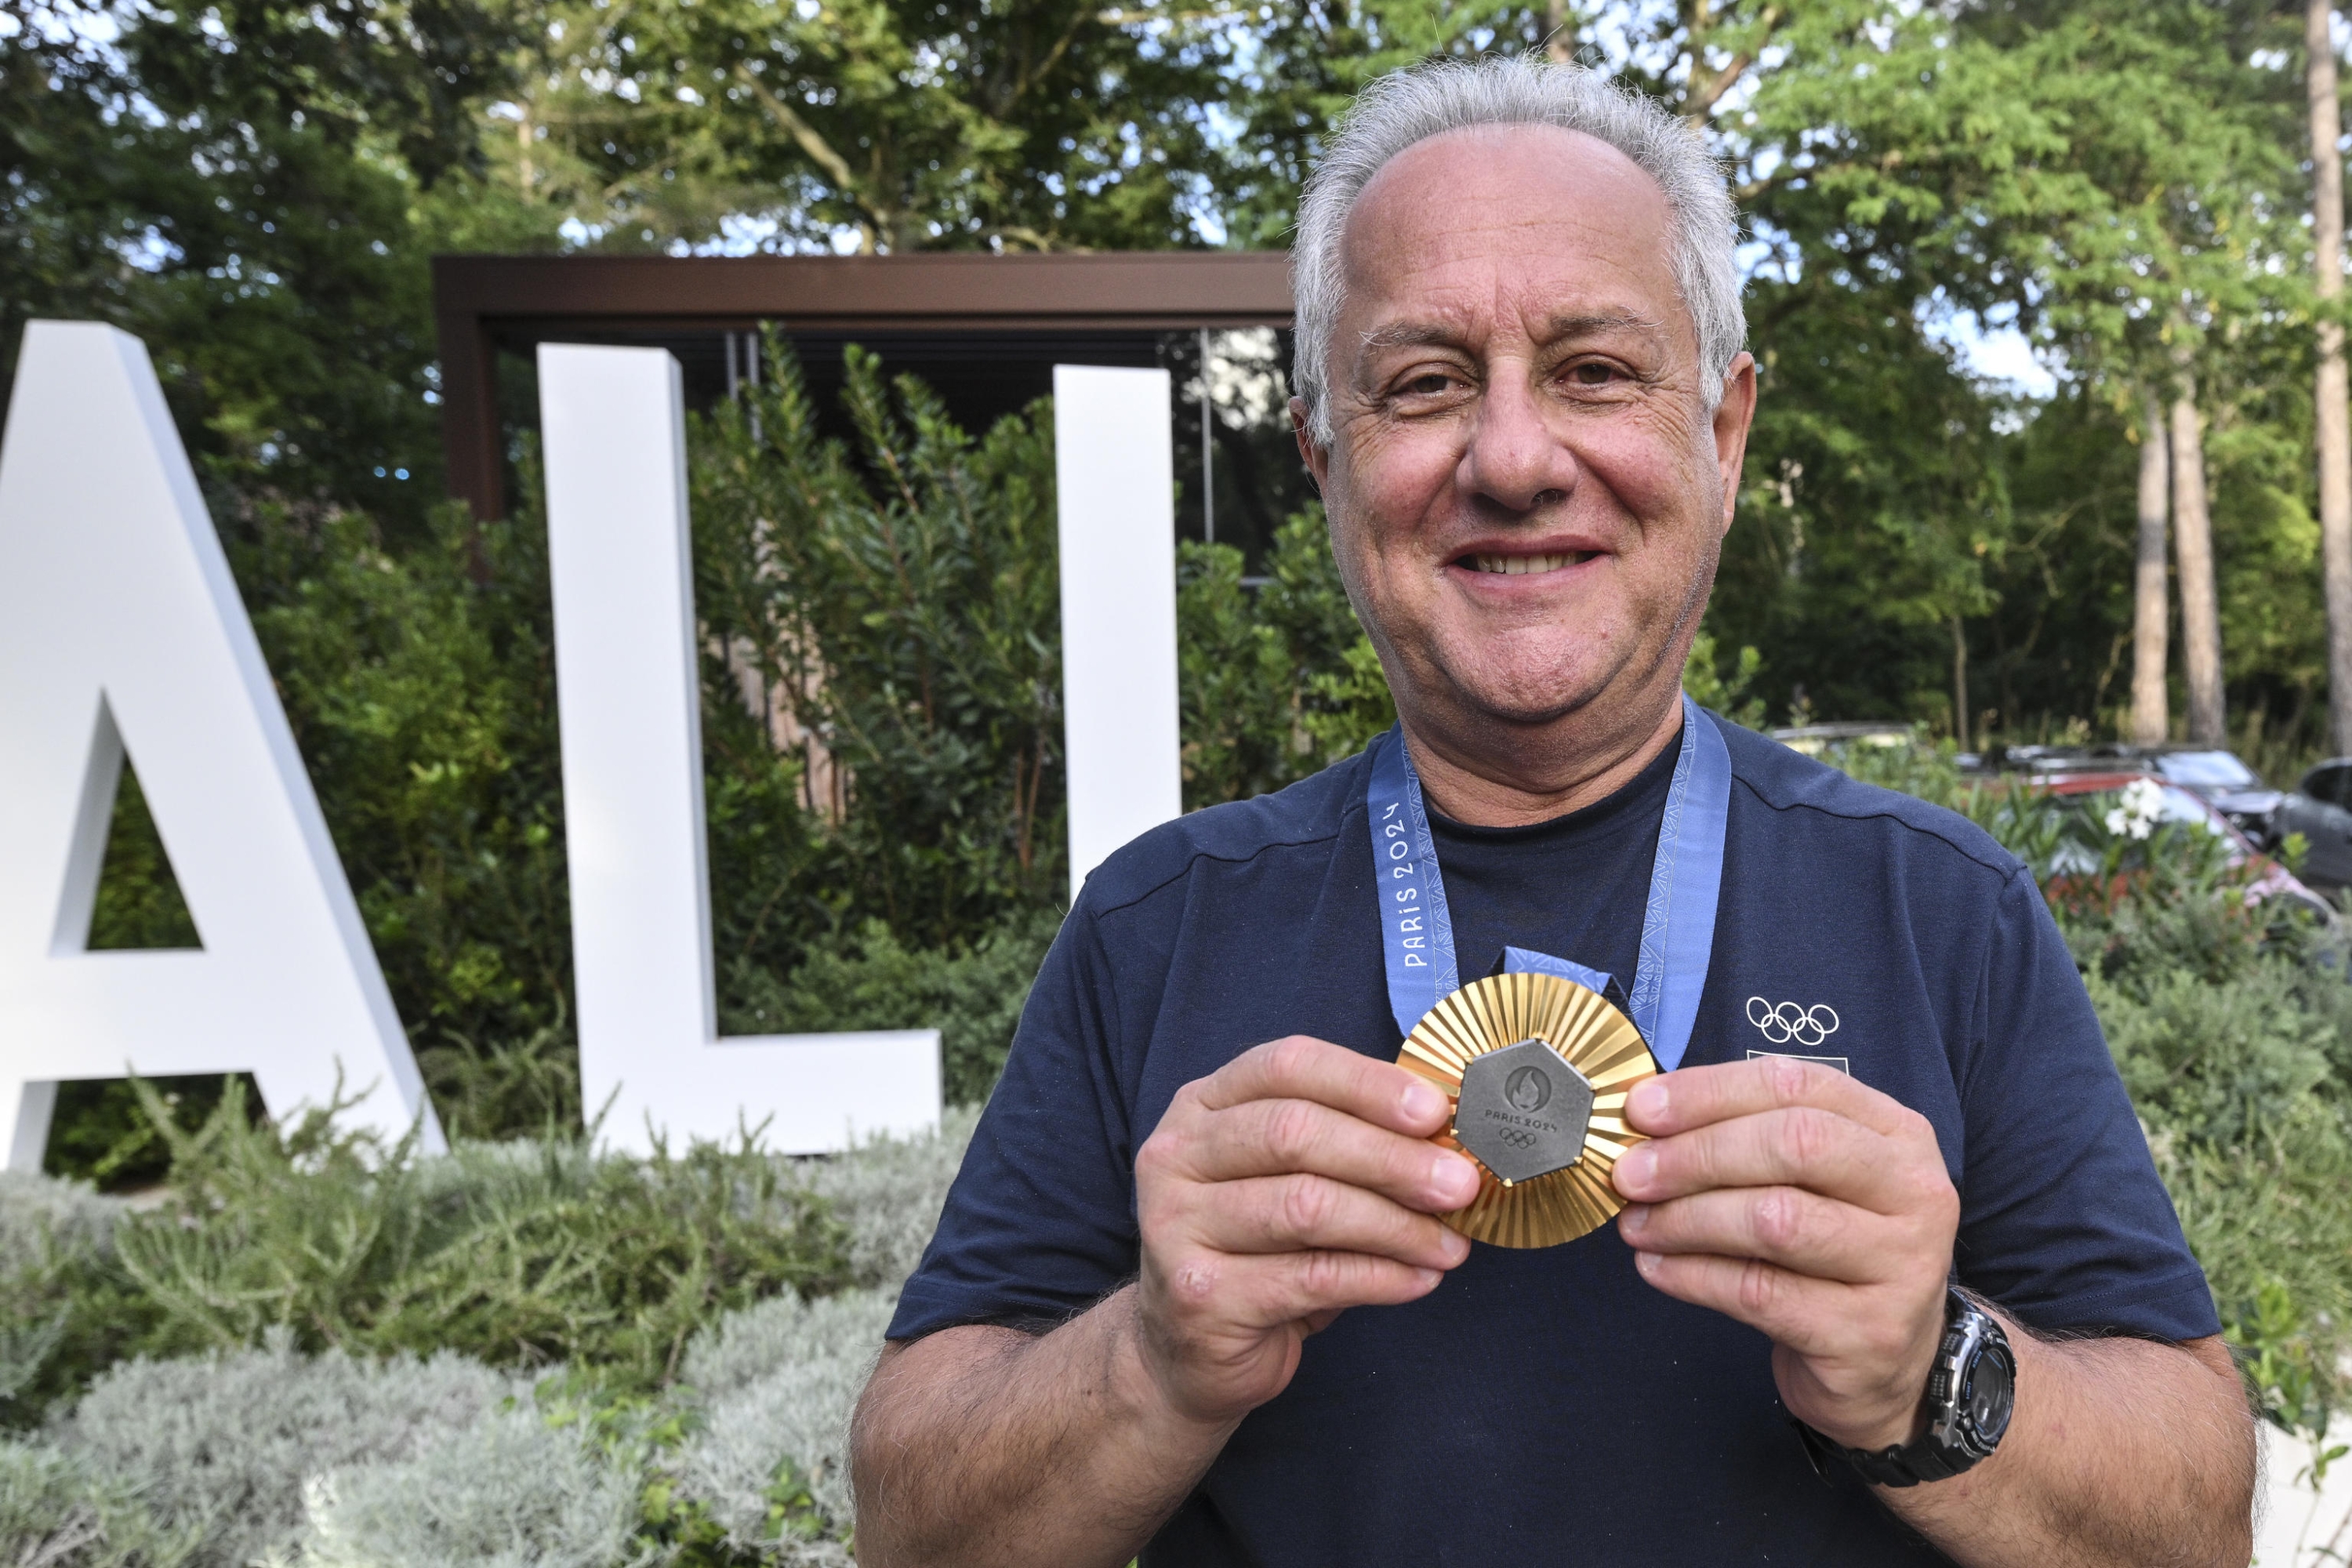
x=1811, y=739
x=2321, y=810
x=2178, y=802
x=2217, y=777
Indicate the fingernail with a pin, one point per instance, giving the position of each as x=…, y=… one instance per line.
x=1421, y=1102
x=1457, y=1247
x=1635, y=1167
x=1647, y=1263
x=1453, y=1180
x=1648, y=1100
x=1429, y=1277
x=1635, y=1220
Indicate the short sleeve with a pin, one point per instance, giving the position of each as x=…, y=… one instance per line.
x=2063, y=1221
x=1040, y=1223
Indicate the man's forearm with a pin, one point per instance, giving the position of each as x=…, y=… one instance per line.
x=2121, y=1452
x=982, y=1446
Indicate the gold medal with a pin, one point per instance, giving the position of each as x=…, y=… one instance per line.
x=1537, y=1068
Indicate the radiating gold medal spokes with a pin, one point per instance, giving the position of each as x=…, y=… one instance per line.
x=1596, y=1039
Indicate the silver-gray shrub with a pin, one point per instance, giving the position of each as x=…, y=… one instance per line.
x=889, y=1192
x=775, y=1384
x=205, y=1461
x=512, y=1490
x=57, y=1510
x=218, y=1447
x=46, y=1228
x=1409, y=106
x=40, y=1215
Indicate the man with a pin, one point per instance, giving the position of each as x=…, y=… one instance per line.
x=1189, y=1296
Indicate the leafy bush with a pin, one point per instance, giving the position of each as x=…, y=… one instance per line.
x=55, y=1508
x=900, y=605
x=521, y=1254
x=774, y=1389
x=215, y=1448
x=1276, y=681
x=510, y=1490
x=888, y=1192
x=268, y=1452
x=868, y=980
x=420, y=686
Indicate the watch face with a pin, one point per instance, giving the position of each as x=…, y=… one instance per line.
x=1990, y=1396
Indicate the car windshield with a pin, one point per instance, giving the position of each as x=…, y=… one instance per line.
x=2179, y=805
x=2207, y=770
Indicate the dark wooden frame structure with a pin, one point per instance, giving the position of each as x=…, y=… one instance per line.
x=478, y=298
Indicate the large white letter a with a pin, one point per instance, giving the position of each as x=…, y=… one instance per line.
x=120, y=627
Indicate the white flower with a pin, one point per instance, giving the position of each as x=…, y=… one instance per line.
x=2141, y=807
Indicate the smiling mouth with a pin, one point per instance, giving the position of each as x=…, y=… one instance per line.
x=1524, y=566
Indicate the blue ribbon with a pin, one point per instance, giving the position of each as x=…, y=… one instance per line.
x=1677, y=925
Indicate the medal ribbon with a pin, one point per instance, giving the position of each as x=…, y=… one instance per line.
x=1677, y=925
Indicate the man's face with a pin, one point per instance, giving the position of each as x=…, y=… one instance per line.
x=1527, y=491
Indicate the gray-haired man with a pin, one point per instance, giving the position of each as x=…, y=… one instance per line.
x=1189, y=1296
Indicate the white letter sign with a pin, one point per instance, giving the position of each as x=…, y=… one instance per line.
x=628, y=694
x=120, y=626
x=1114, y=476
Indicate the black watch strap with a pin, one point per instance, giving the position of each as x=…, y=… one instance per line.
x=1953, y=1443
x=1925, y=1460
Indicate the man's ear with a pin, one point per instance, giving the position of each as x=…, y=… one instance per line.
x=1733, y=417
x=1317, y=458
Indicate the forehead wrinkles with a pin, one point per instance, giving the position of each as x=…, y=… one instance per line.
x=1539, y=231
x=1441, y=330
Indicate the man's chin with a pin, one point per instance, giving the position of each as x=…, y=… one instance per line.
x=1525, y=704
x=1522, y=697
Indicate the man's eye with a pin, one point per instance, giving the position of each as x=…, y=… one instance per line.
x=1594, y=373
x=1431, y=384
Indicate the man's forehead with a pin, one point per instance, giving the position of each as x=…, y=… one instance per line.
x=1437, y=323
x=1553, y=230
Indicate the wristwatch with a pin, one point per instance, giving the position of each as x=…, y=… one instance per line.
x=1972, y=1390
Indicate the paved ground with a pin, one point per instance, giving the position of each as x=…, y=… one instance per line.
x=2323, y=1532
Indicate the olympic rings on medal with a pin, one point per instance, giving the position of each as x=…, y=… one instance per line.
x=1789, y=1022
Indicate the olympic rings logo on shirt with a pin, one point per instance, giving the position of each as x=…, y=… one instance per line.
x=1789, y=1022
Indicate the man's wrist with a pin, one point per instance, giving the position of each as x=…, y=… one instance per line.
x=1140, y=1380
x=1964, y=1413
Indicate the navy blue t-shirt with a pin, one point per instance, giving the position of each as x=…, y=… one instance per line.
x=1547, y=1406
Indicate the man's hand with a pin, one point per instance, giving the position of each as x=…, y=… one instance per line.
x=1292, y=1184
x=1810, y=1206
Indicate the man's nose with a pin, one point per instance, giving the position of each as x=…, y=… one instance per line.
x=1513, y=459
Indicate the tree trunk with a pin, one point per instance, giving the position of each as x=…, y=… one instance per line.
x=2192, y=538
x=1960, y=683
x=1560, y=39
x=2151, y=721
x=2332, y=418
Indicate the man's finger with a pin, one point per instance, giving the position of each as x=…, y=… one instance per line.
x=1300, y=1067
x=1698, y=1097
x=1283, y=1286
x=1791, y=1309
x=1801, y=1147
x=1788, y=1226
x=1302, y=1214
x=1282, y=1137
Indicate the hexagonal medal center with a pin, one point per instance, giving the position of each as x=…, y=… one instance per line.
x=1523, y=1111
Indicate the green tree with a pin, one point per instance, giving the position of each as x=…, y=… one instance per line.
x=238, y=186
x=877, y=125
